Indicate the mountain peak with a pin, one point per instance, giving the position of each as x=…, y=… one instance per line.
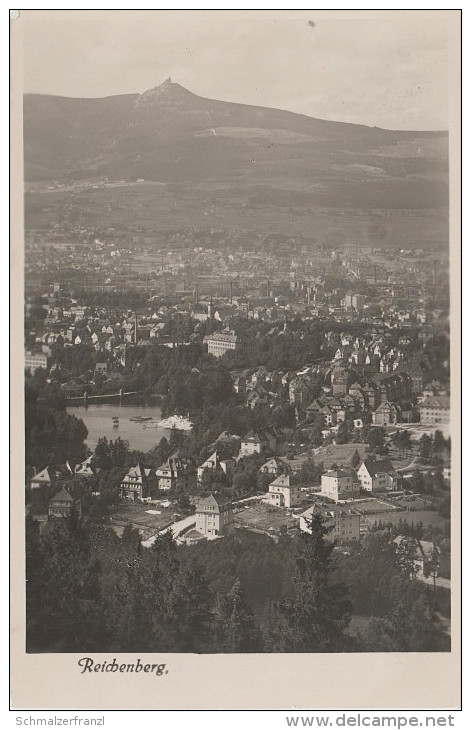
x=166, y=93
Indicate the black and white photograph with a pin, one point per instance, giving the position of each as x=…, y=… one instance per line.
x=238, y=353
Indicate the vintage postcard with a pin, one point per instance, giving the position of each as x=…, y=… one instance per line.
x=235, y=261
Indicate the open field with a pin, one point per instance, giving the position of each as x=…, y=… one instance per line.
x=263, y=517
x=341, y=455
x=265, y=207
x=427, y=517
x=372, y=506
x=139, y=516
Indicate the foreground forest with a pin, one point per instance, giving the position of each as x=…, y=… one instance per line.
x=90, y=590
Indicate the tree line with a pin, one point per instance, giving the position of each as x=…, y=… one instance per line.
x=90, y=590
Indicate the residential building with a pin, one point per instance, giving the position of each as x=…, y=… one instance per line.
x=273, y=466
x=34, y=361
x=340, y=380
x=387, y=414
x=435, y=410
x=378, y=475
x=300, y=391
x=61, y=504
x=214, y=462
x=213, y=515
x=42, y=479
x=338, y=484
x=137, y=483
x=168, y=473
x=283, y=493
x=86, y=468
x=344, y=522
x=426, y=556
x=250, y=444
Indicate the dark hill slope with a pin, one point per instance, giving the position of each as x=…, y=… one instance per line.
x=169, y=134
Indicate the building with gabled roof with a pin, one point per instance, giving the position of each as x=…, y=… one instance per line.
x=435, y=410
x=215, y=462
x=137, y=483
x=426, y=556
x=250, y=444
x=378, y=475
x=273, y=466
x=283, y=492
x=43, y=478
x=387, y=414
x=61, y=504
x=168, y=473
x=338, y=484
x=213, y=515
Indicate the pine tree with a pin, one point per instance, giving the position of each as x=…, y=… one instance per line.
x=233, y=625
x=188, y=610
x=72, y=616
x=319, y=609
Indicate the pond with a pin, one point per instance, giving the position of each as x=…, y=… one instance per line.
x=99, y=422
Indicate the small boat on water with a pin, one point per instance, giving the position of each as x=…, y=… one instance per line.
x=140, y=419
x=115, y=421
x=150, y=425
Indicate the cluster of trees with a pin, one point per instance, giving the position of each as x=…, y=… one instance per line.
x=436, y=447
x=399, y=613
x=90, y=590
x=51, y=435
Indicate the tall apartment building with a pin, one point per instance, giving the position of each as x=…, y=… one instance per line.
x=213, y=515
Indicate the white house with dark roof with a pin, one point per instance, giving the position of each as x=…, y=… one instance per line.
x=42, y=479
x=215, y=462
x=168, y=473
x=283, y=493
x=137, y=483
x=273, y=466
x=378, y=475
x=338, y=484
x=213, y=515
x=250, y=444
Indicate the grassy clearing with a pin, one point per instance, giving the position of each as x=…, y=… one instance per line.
x=263, y=517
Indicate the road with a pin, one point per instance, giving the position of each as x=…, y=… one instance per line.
x=441, y=582
x=177, y=528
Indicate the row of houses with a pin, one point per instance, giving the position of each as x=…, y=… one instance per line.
x=373, y=475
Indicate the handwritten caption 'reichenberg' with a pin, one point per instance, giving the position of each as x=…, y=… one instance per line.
x=87, y=664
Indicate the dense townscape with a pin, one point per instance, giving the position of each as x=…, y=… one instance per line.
x=306, y=398
x=237, y=380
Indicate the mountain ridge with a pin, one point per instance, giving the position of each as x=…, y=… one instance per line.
x=223, y=162
x=168, y=84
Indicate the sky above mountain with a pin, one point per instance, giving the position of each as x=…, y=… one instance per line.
x=380, y=69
